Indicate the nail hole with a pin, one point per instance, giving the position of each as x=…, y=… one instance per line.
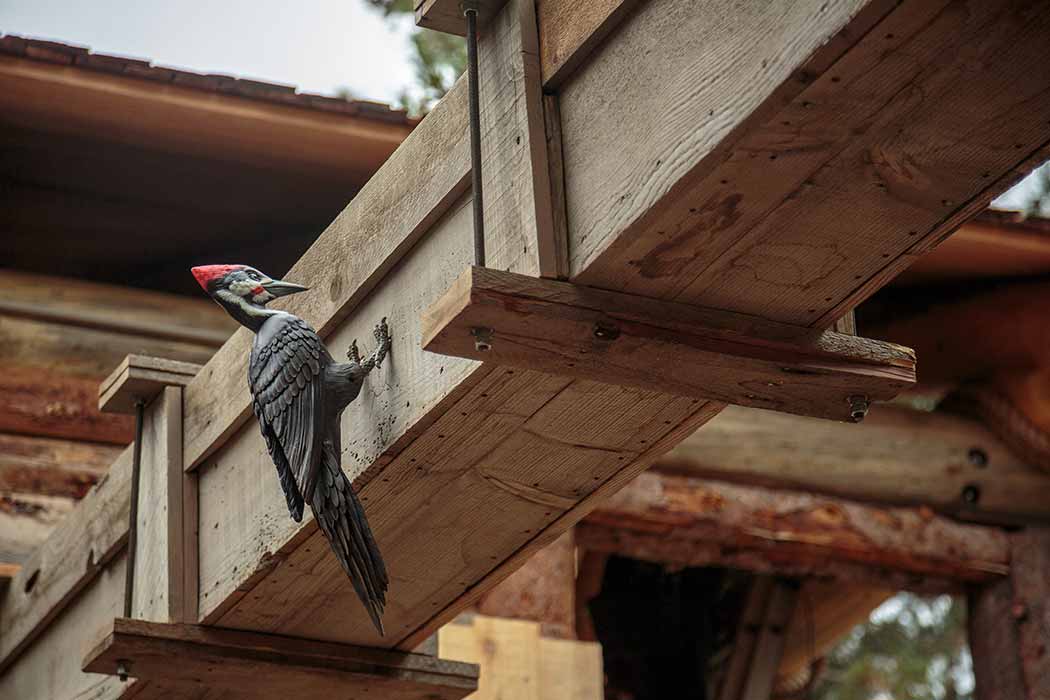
x=977, y=457
x=31, y=581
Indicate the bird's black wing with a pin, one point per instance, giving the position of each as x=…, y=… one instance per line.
x=286, y=377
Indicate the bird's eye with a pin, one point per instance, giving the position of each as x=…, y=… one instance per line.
x=254, y=275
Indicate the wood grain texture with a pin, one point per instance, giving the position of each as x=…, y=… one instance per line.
x=106, y=307
x=447, y=15
x=557, y=327
x=140, y=377
x=1030, y=576
x=26, y=520
x=850, y=153
x=49, y=467
x=543, y=590
x=518, y=663
x=76, y=551
x=269, y=666
x=994, y=645
x=50, y=666
x=704, y=523
x=571, y=30
x=49, y=404
x=897, y=456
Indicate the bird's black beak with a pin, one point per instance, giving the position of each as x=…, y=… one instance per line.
x=282, y=289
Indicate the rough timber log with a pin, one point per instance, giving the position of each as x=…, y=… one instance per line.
x=465, y=468
x=693, y=522
x=897, y=456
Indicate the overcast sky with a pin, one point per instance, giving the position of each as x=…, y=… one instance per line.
x=316, y=45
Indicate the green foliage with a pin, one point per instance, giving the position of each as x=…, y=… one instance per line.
x=438, y=58
x=913, y=648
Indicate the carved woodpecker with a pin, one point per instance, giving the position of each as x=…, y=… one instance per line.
x=299, y=393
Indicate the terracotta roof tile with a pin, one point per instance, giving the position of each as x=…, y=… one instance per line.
x=81, y=57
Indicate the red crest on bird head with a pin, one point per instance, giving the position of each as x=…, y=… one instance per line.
x=209, y=273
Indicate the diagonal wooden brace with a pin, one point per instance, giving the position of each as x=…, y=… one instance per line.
x=264, y=666
x=564, y=329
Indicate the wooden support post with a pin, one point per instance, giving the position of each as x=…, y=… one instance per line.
x=166, y=551
x=619, y=339
x=759, y=640
x=1009, y=624
x=271, y=667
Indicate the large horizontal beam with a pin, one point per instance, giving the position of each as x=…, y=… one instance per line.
x=687, y=521
x=619, y=339
x=49, y=467
x=271, y=667
x=898, y=456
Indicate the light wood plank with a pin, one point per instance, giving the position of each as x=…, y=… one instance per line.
x=897, y=456
x=563, y=329
x=693, y=522
x=26, y=520
x=141, y=377
x=270, y=666
x=799, y=197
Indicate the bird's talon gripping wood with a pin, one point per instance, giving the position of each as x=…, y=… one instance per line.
x=298, y=394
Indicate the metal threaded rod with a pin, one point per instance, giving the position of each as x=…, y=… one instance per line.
x=471, y=12
x=133, y=516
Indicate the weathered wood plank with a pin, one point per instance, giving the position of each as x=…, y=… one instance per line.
x=26, y=520
x=75, y=552
x=620, y=339
x=49, y=667
x=447, y=15
x=1030, y=576
x=571, y=30
x=270, y=666
x=896, y=456
x=704, y=523
x=106, y=307
x=140, y=377
x=49, y=404
x=49, y=467
x=802, y=195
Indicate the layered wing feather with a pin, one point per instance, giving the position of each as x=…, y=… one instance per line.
x=286, y=377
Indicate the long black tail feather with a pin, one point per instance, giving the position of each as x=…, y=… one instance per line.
x=342, y=520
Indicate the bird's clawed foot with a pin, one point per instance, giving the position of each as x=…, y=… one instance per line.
x=382, y=336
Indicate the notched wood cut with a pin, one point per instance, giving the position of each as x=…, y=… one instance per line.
x=627, y=340
x=272, y=666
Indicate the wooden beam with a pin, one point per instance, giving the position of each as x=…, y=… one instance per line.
x=272, y=667
x=447, y=15
x=692, y=522
x=898, y=456
x=618, y=339
x=48, y=467
x=1030, y=576
x=77, y=550
x=142, y=378
x=26, y=521
x=798, y=198
x=106, y=307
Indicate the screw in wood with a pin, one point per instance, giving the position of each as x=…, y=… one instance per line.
x=858, y=407
x=122, y=670
x=482, y=338
x=606, y=331
x=971, y=494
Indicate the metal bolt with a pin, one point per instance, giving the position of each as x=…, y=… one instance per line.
x=122, y=670
x=606, y=331
x=482, y=338
x=971, y=494
x=858, y=407
x=977, y=457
